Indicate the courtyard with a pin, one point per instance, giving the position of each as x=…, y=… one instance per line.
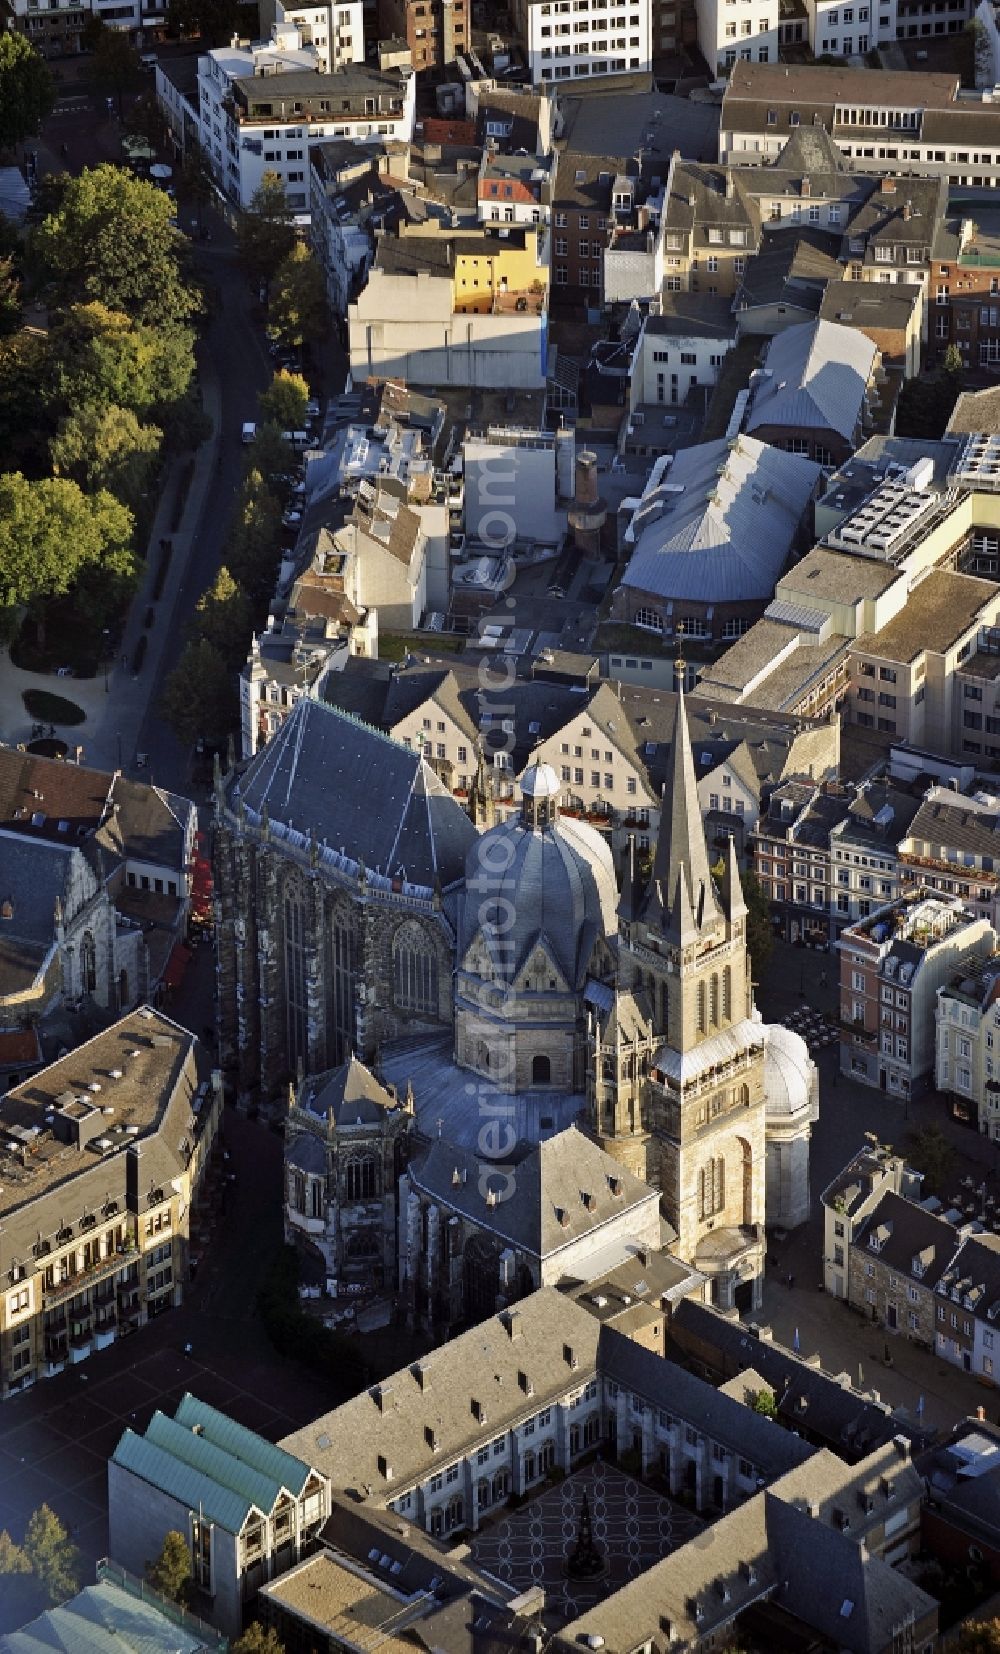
x=632, y=1525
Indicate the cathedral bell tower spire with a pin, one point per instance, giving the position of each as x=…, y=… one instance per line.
x=681, y=899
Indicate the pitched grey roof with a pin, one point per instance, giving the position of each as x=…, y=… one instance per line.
x=327, y=775
x=564, y=1189
x=721, y=527
x=351, y=1092
x=817, y=376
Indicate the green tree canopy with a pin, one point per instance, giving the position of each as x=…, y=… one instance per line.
x=258, y=1639
x=145, y=119
x=107, y=447
x=170, y=1572
x=55, y=1560
x=13, y=1558
x=50, y=531
x=283, y=404
x=109, y=237
x=199, y=696
x=27, y=90
x=255, y=539
x=977, y=1637
x=266, y=236
x=760, y=933
x=224, y=619
x=10, y=295
x=297, y=310
x=102, y=359
x=26, y=421
x=931, y=1153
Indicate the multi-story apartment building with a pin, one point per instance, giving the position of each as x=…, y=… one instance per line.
x=335, y=31
x=849, y=1201
x=260, y=109
x=967, y=1060
x=791, y=853
x=738, y=31
x=896, y=1260
x=247, y=1510
x=574, y=40
x=102, y=1154
x=864, y=860
x=923, y=677
x=468, y=308
x=435, y=31
x=889, y=124
x=891, y=966
x=514, y=189
x=966, y=299
x=353, y=197
x=951, y=847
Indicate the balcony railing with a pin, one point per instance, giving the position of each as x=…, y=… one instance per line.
x=85, y=1278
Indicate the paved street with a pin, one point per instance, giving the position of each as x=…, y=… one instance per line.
x=841, y=1337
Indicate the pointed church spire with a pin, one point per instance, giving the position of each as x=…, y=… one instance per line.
x=731, y=885
x=681, y=875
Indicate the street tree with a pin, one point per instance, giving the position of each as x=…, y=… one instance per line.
x=931, y=1153
x=214, y=20
x=979, y=1637
x=170, y=1572
x=10, y=295
x=50, y=531
x=266, y=234
x=283, y=404
x=27, y=89
x=297, y=310
x=107, y=447
x=224, y=618
x=145, y=120
x=102, y=359
x=116, y=64
x=109, y=237
x=258, y=1639
x=13, y=1558
x=199, y=696
x=760, y=933
x=26, y=420
x=55, y=1560
x=255, y=539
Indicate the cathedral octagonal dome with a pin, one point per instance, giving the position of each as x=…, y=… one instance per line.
x=540, y=878
x=788, y=1072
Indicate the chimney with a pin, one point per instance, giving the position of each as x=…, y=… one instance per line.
x=806, y=188
x=981, y=1414
x=888, y=186
x=730, y=184
x=133, y=1156
x=511, y=1319
x=907, y=211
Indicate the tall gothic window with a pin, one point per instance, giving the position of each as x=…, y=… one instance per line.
x=714, y=998
x=296, y=999
x=541, y=1070
x=712, y=1187
x=702, y=1011
x=361, y=1178
x=727, y=994
x=414, y=970
x=88, y=963
x=341, y=978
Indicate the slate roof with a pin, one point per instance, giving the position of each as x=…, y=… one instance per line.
x=352, y=1093
x=694, y=315
x=726, y=537
x=789, y=269
x=808, y=1398
x=817, y=377
x=34, y=875
x=866, y=304
x=543, y=1208
x=421, y=1418
x=70, y=795
x=205, y=1459
x=324, y=773
x=104, y=1619
x=950, y=824
x=906, y=1231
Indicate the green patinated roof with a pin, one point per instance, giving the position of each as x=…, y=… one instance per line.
x=209, y=1462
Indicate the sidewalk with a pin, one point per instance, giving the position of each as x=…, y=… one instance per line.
x=114, y=718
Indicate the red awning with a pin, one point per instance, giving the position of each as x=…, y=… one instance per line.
x=177, y=964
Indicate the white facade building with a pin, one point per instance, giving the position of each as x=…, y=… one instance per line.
x=731, y=31
x=262, y=108
x=336, y=32
x=571, y=39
